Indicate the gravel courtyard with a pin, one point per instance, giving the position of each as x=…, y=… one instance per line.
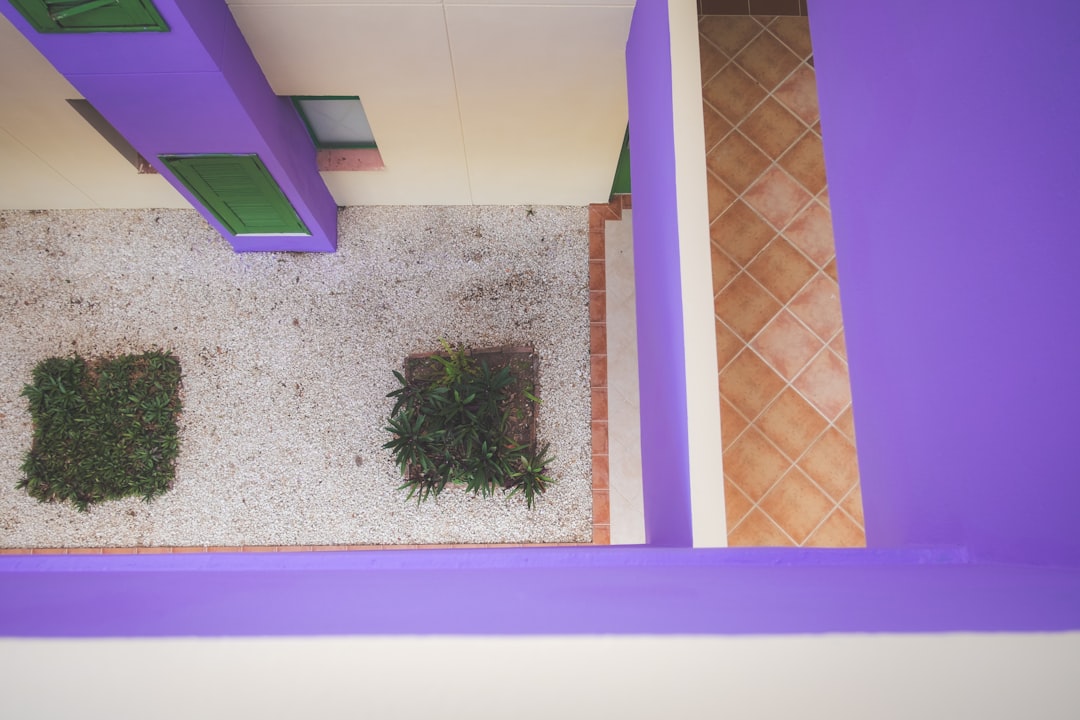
x=287, y=359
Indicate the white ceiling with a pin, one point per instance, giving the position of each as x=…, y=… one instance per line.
x=501, y=102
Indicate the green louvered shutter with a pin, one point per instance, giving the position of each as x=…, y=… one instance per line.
x=80, y=16
x=239, y=191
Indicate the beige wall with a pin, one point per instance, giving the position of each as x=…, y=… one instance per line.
x=949, y=677
x=695, y=265
x=496, y=102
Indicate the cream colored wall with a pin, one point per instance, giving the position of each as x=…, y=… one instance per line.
x=496, y=102
x=699, y=327
x=49, y=156
x=952, y=677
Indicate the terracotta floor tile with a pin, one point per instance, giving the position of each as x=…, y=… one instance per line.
x=596, y=244
x=601, y=504
x=733, y=93
x=772, y=128
x=839, y=345
x=767, y=60
x=600, y=437
x=832, y=464
x=732, y=423
x=729, y=33
x=728, y=345
x=598, y=338
x=723, y=268
x=749, y=384
x=599, y=401
x=597, y=275
x=720, y=197
x=823, y=196
x=757, y=530
x=837, y=531
x=786, y=345
x=741, y=232
x=791, y=423
x=796, y=505
x=795, y=33
x=712, y=59
x=812, y=233
x=825, y=384
x=736, y=161
x=830, y=270
x=597, y=306
x=601, y=534
x=846, y=424
x=799, y=94
x=598, y=370
x=736, y=504
x=781, y=269
x=84, y=551
x=716, y=127
x=754, y=464
x=745, y=306
x=852, y=505
x=600, y=475
x=777, y=197
x=805, y=162
x=818, y=306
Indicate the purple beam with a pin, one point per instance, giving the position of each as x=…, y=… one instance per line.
x=665, y=459
x=952, y=152
x=197, y=89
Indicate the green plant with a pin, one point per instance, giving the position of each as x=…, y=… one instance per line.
x=103, y=430
x=460, y=421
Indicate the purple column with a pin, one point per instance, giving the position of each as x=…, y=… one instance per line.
x=196, y=89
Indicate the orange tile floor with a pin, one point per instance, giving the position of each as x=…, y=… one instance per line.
x=790, y=470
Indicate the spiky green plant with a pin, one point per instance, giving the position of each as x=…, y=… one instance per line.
x=102, y=430
x=451, y=426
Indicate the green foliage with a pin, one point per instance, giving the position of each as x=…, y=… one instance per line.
x=460, y=422
x=104, y=430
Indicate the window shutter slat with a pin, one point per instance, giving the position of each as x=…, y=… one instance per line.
x=239, y=191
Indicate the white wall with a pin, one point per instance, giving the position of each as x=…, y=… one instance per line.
x=950, y=677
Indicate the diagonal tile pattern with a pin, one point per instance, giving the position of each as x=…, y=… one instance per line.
x=791, y=476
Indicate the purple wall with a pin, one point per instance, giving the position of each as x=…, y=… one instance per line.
x=953, y=156
x=197, y=89
x=665, y=463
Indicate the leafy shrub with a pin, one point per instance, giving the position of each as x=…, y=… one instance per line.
x=459, y=421
x=103, y=430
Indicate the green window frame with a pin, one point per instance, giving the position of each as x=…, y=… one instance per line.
x=300, y=102
x=239, y=191
x=90, y=16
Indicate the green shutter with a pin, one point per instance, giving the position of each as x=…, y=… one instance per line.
x=81, y=16
x=239, y=191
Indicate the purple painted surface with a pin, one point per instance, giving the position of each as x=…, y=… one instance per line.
x=197, y=89
x=554, y=591
x=665, y=462
x=920, y=490
x=953, y=157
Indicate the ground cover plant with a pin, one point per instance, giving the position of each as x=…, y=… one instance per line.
x=468, y=419
x=104, y=429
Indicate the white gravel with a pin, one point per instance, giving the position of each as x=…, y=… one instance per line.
x=287, y=359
